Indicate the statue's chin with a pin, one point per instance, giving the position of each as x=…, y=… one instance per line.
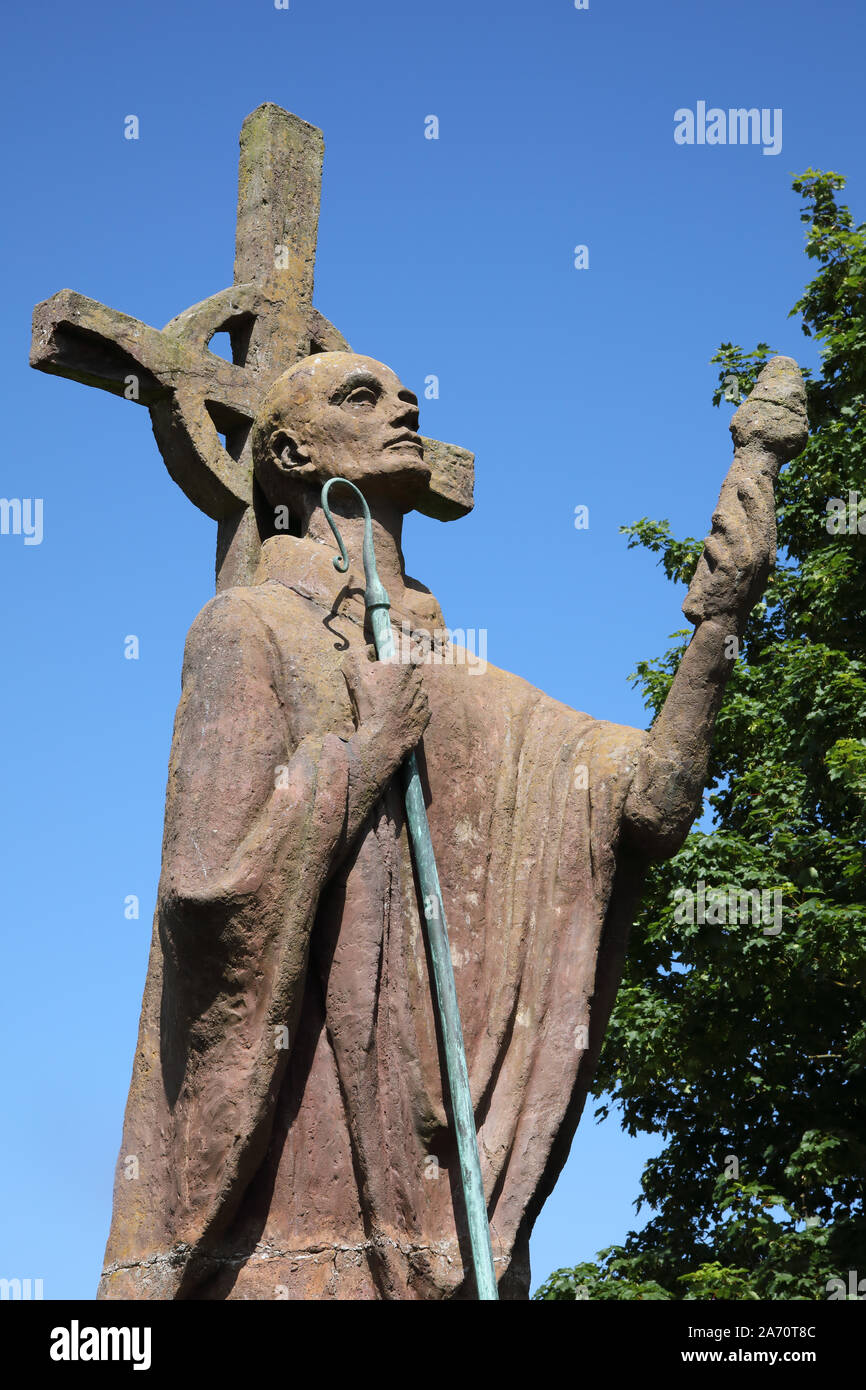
x=406, y=463
x=401, y=476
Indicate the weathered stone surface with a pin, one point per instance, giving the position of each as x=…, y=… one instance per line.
x=769, y=428
x=323, y=1166
x=328, y=1169
x=774, y=415
x=451, y=493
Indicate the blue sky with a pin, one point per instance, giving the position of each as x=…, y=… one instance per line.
x=452, y=257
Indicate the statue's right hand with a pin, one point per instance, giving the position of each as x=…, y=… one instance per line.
x=388, y=699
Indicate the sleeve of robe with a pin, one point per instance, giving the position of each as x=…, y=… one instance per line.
x=253, y=827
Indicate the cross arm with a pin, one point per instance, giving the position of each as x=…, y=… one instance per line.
x=81, y=339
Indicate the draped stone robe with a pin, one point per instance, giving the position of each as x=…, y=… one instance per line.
x=286, y=1112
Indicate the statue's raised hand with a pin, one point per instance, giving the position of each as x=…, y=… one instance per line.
x=769, y=428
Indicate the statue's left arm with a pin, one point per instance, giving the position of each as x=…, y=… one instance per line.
x=666, y=793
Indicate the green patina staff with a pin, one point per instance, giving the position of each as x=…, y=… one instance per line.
x=378, y=605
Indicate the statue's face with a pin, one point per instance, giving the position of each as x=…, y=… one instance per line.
x=349, y=416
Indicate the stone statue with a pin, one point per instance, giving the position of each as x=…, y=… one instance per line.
x=287, y=1105
x=287, y=1114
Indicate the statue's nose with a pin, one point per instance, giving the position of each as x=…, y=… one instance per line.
x=404, y=414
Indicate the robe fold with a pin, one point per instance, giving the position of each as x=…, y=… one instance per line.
x=287, y=1114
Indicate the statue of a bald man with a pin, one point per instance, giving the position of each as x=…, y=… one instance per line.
x=286, y=1112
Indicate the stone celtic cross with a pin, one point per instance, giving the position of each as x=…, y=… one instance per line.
x=194, y=396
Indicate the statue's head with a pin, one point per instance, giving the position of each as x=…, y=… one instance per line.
x=337, y=414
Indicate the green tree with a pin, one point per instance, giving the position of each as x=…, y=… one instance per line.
x=745, y=1049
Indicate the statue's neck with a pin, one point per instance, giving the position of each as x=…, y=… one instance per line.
x=387, y=536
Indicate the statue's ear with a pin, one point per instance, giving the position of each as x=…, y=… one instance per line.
x=287, y=452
